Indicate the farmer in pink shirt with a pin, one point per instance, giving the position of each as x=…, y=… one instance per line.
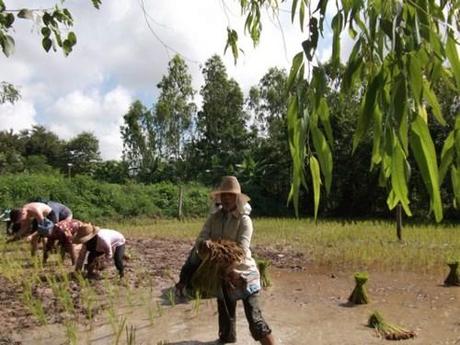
x=97, y=242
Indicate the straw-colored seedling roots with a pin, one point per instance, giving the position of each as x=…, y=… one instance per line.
x=217, y=258
x=359, y=294
x=387, y=330
x=262, y=266
x=453, y=278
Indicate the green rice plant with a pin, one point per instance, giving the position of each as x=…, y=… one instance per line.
x=130, y=335
x=171, y=295
x=87, y=296
x=61, y=292
x=453, y=278
x=34, y=305
x=112, y=316
x=119, y=330
x=359, y=294
x=159, y=309
x=262, y=266
x=151, y=314
x=197, y=302
x=71, y=331
x=387, y=330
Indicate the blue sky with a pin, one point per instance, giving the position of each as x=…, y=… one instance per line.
x=117, y=60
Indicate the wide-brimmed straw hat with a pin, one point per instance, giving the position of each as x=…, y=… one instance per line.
x=84, y=233
x=230, y=184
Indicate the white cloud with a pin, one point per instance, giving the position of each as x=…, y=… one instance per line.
x=92, y=112
x=17, y=117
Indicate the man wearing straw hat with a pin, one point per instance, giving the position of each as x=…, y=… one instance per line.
x=231, y=221
x=96, y=242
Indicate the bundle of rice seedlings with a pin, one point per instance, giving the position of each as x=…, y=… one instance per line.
x=359, y=294
x=217, y=257
x=387, y=330
x=262, y=266
x=453, y=278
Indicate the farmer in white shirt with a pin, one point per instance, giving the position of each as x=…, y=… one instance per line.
x=97, y=242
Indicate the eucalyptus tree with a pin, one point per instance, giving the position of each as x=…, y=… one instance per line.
x=82, y=152
x=139, y=141
x=400, y=50
x=41, y=141
x=222, y=134
x=174, y=109
x=266, y=172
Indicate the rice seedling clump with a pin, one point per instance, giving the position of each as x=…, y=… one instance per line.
x=387, y=330
x=453, y=278
x=359, y=293
x=217, y=257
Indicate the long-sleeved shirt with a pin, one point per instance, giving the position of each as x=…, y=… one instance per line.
x=63, y=232
x=235, y=226
x=107, y=241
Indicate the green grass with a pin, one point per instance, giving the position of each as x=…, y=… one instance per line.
x=356, y=245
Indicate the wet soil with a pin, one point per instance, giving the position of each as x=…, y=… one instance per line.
x=306, y=304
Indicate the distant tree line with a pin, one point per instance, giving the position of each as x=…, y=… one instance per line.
x=177, y=141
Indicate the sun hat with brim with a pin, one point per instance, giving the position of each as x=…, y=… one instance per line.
x=230, y=184
x=85, y=233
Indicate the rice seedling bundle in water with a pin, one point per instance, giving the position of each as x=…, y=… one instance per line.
x=359, y=294
x=216, y=259
x=453, y=278
x=262, y=266
x=388, y=330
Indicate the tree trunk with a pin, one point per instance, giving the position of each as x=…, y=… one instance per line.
x=181, y=199
x=399, y=221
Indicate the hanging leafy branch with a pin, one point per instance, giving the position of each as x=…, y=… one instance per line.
x=400, y=50
x=54, y=25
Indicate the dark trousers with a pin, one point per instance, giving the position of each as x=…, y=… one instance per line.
x=117, y=258
x=189, y=268
x=226, y=308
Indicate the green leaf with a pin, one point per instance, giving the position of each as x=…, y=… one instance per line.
x=293, y=10
x=433, y=102
x=309, y=45
x=96, y=3
x=323, y=111
x=297, y=61
x=8, y=20
x=324, y=154
x=7, y=43
x=47, y=43
x=455, y=177
x=376, y=154
x=337, y=23
x=399, y=177
x=26, y=14
x=46, y=32
x=72, y=38
x=316, y=181
x=415, y=77
x=425, y=156
x=301, y=14
x=232, y=42
x=66, y=47
x=452, y=55
x=447, y=156
x=368, y=108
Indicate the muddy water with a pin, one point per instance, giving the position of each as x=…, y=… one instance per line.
x=301, y=307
